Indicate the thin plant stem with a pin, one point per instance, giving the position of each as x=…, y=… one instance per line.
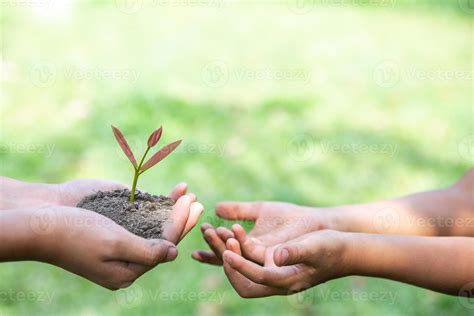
x=135, y=176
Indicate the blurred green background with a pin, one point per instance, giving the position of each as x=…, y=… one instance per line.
x=313, y=102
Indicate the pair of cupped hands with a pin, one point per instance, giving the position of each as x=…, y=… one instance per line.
x=286, y=251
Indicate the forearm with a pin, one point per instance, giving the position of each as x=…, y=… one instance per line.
x=19, y=194
x=447, y=212
x=20, y=234
x=442, y=264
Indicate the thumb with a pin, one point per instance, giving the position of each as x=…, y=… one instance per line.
x=291, y=253
x=145, y=252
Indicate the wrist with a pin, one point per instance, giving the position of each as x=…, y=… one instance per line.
x=350, y=253
x=23, y=233
x=370, y=255
x=43, y=227
x=18, y=194
x=332, y=249
x=345, y=253
x=46, y=229
x=329, y=218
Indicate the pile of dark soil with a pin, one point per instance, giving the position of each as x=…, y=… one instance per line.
x=145, y=217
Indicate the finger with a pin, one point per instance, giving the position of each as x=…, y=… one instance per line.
x=234, y=246
x=119, y=274
x=194, y=213
x=290, y=253
x=250, y=248
x=245, y=287
x=192, y=196
x=178, y=191
x=206, y=226
x=137, y=250
x=267, y=276
x=215, y=243
x=122, y=274
x=206, y=256
x=127, y=272
x=237, y=210
x=224, y=233
x=175, y=225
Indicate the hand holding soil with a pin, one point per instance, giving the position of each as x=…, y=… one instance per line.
x=84, y=242
x=150, y=216
x=92, y=246
x=170, y=218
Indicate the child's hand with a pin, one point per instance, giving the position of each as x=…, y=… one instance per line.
x=325, y=255
x=82, y=242
x=185, y=213
x=87, y=243
x=291, y=267
x=312, y=259
x=184, y=216
x=17, y=194
x=275, y=222
x=102, y=251
x=71, y=192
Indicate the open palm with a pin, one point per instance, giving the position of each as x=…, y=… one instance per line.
x=275, y=222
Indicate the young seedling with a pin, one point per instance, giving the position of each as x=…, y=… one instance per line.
x=156, y=158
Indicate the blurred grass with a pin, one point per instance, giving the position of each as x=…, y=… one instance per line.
x=211, y=75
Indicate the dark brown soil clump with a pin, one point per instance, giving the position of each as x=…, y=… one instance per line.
x=146, y=217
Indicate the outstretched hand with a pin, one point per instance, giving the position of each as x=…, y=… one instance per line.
x=287, y=268
x=275, y=222
x=290, y=267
